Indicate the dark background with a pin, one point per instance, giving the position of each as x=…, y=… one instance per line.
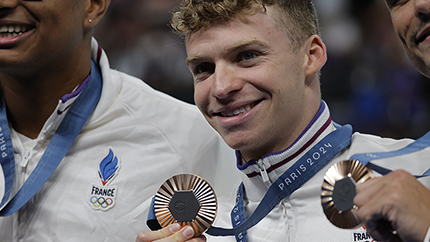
x=367, y=81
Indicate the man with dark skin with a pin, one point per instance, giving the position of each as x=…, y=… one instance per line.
x=398, y=197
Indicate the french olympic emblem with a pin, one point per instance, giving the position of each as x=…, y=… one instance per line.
x=103, y=197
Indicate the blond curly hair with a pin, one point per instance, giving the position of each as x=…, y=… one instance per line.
x=297, y=17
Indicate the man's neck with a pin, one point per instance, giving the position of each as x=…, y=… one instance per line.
x=31, y=102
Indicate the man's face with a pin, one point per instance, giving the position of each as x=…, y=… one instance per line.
x=37, y=32
x=411, y=21
x=249, y=84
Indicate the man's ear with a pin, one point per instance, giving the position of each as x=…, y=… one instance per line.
x=316, y=55
x=95, y=10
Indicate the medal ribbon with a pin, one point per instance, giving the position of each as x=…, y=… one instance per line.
x=238, y=215
x=61, y=142
x=415, y=146
x=307, y=166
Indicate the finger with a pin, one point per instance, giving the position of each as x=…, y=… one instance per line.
x=367, y=190
x=383, y=204
x=384, y=236
x=382, y=231
x=201, y=238
x=148, y=236
x=184, y=234
x=375, y=187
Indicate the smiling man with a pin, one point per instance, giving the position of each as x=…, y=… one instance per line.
x=239, y=56
x=256, y=67
x=84, y=147
x=411, y=21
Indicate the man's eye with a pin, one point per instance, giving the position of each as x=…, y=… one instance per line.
x=203, y=68
x=248, y=56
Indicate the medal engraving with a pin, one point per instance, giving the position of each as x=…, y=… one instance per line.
x=184, y=206
x=188, y=200
x=338, y=192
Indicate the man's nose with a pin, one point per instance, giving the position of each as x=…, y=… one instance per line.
x=8, y=4
x=226, y=82
x=422, y=9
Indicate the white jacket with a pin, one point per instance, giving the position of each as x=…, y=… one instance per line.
x=300, y=217
x=154, y=137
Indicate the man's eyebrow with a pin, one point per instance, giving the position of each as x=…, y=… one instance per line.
x=230, y=49
x=243, y=44
x=193, y=59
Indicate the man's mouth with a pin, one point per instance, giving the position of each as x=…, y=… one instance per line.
x=12, y=30
x=238, y=111
x=422, y=36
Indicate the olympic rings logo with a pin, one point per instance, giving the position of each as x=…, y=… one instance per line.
x=101, y=202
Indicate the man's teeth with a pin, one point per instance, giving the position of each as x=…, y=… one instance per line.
x=237, y=111
x=11, y=30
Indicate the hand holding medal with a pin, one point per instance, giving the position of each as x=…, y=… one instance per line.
x=394, y=201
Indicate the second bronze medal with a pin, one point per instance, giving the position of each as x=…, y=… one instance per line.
x=338, y=192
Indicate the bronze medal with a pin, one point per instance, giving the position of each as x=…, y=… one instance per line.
x=188, y=200
x=338, y=192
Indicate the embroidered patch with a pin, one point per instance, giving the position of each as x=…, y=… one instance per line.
x=103, y=197
x=361, y=235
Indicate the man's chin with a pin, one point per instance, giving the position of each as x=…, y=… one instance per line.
x=423, y=68
x=422, y=65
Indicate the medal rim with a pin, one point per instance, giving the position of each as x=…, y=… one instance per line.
x=347, y=168
x=187, y=182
